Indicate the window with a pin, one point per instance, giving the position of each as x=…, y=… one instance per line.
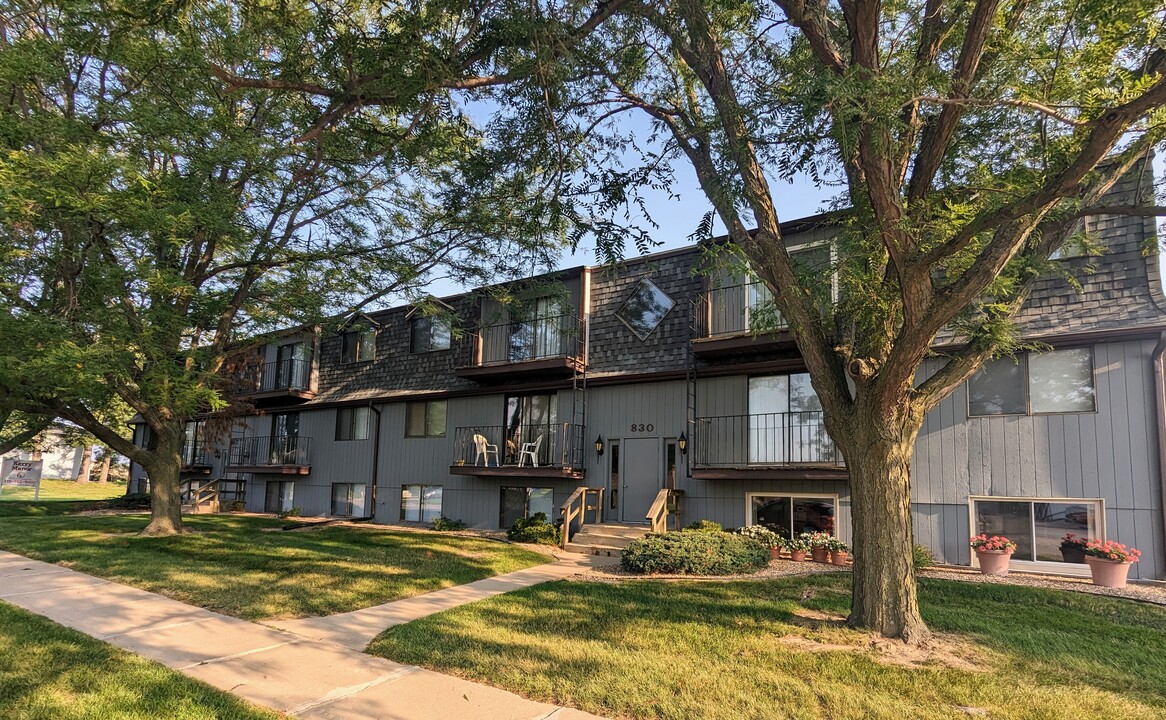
x=194, y=444
x=347, y=499
x=788, y=515
x=786, y=423
x=1060, y=381
x=420, y=503
x=530, y=419
x=645, y=308
x=613, y=490
x=522, y=502
x=293, y=366
x=536, y=331
x=1037, y=525
x=352, y=423
x=425, y=418
x=358, y=345
x=1084, y=240
x=427, y=334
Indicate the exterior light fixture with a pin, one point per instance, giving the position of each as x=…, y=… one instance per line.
x=682, y=443
x=598, y=444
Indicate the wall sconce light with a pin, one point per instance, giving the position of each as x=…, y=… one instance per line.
x=598, y=444
x=682, y=443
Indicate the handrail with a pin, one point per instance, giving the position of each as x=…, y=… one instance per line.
x=570, y=512
x=657, y=516
x=206, y=493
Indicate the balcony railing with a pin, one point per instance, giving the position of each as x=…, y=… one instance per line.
x=736, y=310
x=541, y=338
x=287, y=374
x=764, y=440
x=196, y=456
x=269, y=452
x=558, y=445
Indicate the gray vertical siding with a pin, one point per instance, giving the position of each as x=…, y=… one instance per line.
x=1110, y=454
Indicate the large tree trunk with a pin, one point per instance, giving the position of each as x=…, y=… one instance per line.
x=878, y=455
x=86, y=464
x=165, y=492
x=106, y=459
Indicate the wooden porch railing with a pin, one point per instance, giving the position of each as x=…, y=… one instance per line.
x=205, y=494
x=657, y=516
x=577, y=507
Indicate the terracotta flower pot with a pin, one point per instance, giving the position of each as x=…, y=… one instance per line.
x=797, y=555
x=839, y=558
x=994, y=562
x=819, y=554
x=774, y=553
x=1074, y=554
x=1108, y=573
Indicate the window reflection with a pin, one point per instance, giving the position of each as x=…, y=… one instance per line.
x=645, y=308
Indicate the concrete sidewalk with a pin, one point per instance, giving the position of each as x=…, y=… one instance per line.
x=300, y=677
x=355, y=630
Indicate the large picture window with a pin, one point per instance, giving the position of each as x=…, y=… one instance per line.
x=522, y=502
x=425, y=418
x=420, y=503
x=1060, y=381
x=347, y=499
x=1037, y=526
x=786, y=423
x=788, y=515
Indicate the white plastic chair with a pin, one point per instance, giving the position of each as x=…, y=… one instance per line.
x=530, y=449
x=483, y=449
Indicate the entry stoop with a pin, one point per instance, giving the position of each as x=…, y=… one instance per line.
x=605, y=538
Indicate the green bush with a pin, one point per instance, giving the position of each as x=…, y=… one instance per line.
x=238, y=506
x=296, y=511
x=534, y=529
x=132, y=501
x=923, y=557
x=707, y=526
x=694, y=553
x=444, y=524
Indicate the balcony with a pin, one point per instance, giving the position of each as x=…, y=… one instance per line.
x=790, y=445
x=544, y=348
x=196, y=461
x=288, y=379
x=555, y=451
x=725, y=320
x=275, y=455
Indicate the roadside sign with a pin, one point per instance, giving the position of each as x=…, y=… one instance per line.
x=21, y=473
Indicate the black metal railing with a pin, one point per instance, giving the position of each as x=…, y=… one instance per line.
x=540, y=338
x=268, y=451
x=769, y=439
x=195, y=456
x=287, y=374
x=736, y=310
x=548, y=445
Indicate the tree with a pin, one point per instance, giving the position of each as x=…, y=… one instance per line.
x=155, y=222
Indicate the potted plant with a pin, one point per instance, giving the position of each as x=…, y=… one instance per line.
x=766, y=537
x=993, y=553
x=798, y=547
x=839, y=551
x=1109, y=562
x=1073, y=548
x=819, y=545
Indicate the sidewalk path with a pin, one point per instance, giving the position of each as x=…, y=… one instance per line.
x=355, y=630
x=301, y=677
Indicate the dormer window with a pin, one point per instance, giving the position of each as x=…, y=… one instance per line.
x=428, y=334
x=358, y=345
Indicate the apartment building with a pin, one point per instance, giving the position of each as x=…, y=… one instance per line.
x=647, y=376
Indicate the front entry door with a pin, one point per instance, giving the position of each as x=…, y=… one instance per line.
x=641, y=478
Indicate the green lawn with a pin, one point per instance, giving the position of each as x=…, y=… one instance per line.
x=247, y=567
x=649, y=649
x=55, y=490
x=49, y=672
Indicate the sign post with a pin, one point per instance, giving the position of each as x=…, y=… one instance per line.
x=21, y=473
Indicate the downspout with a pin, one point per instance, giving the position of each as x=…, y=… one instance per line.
x=1160, y=405
x=376, y=457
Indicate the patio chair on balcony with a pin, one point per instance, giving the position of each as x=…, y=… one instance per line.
x=483, y=449
x=530, y=449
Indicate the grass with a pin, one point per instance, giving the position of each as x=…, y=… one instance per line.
x=246, y=567
x=49, y=672
x=649, y=649
x=62, y=490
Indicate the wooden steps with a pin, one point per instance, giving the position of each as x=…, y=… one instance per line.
x=605, y=539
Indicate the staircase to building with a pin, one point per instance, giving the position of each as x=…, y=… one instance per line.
x=200, y=497
x=605, y=538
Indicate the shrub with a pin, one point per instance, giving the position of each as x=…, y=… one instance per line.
x=694, y=553
x=132, y=501
x=706, y=526
x=922, y=557
x=238, y=506
x=444, y=524
x=296, y=511
x=534, y=529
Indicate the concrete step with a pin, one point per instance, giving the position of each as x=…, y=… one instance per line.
x=598, y=537
x=604, y=550
x=616, y=529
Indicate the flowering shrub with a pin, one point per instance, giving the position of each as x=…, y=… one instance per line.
x=817, y=539
x=837, y=546
x=801, y=543
x=1071, y=541
x=1110, y=550
x=763, y=535
x=995, y=543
